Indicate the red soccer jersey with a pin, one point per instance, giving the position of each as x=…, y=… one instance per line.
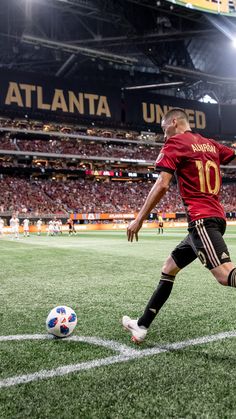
x=196, y=162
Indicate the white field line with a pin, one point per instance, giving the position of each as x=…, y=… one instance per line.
x=123, y=357
x=110, y=344
x=25, y=337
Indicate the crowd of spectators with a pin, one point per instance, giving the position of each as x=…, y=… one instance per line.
x=93, y=196
x=7, y=143
x=43, y=196
x=81, y=148
x=228, y=196
x=47, y=127
x=88, y=149
x=25, y=196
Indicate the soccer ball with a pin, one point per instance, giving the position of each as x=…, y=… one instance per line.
x=61, y=321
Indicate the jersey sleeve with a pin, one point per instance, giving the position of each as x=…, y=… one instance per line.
x=226, y=153
x=169, y=157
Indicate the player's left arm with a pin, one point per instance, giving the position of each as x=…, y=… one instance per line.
x=226, y=154
x=158, y=190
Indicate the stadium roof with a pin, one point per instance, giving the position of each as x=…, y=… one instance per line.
x=124, y=42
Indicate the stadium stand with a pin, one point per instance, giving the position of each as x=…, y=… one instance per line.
x=43, y=196
x=88, y=149
x=46, y=187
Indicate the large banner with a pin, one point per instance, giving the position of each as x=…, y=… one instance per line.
x=36, y=95
x=148, y=109
x=115, y=216
x=31, y=93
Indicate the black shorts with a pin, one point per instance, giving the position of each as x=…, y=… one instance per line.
x=160, y=224
x=205, y=241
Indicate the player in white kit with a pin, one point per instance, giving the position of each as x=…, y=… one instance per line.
x=1, y=226
x=56, y=227
x=60, y=226
x=39, y=226
x=14, y=224
x=50, y=228
x=26, y=227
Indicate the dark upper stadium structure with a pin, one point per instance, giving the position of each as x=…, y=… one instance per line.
x=127, y=43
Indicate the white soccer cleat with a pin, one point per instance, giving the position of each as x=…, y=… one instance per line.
x=138, y=332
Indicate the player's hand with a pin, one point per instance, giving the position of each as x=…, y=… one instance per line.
x=133, y=229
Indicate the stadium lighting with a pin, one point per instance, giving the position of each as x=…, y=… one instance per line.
x=156, y=85
x=197, y=74
x=225, y=26
x=207, y=99
x=73, y=49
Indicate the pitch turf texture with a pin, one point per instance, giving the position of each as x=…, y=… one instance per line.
x=102, y=277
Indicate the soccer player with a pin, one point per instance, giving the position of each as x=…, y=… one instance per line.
x=14, y=224
x=26, y=227
x=160, y=224
x=1, y=226
x=60, y=226
x=55, y=227
x=51, y=228
x=39, y=226
x=195, y=161
x=71, y=226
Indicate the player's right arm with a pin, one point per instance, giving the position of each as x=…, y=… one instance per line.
x=158, y=190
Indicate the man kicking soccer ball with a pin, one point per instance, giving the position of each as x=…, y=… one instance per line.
x=195, y=161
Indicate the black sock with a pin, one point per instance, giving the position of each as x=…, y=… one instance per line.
x=232, y=278
x=157, y=300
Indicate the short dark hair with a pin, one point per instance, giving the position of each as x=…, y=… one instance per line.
x=176, y=113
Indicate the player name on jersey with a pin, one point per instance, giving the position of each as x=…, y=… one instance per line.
x=204, y=147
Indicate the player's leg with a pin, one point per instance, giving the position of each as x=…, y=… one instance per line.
x=225, y=274
x=207, y=235
x=181, y=256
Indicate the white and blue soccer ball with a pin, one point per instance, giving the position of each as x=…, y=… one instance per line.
x=61, y=321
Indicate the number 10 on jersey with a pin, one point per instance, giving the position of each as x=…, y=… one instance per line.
x=204, y=173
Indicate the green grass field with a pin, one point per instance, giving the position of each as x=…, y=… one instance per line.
x=103, y=277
